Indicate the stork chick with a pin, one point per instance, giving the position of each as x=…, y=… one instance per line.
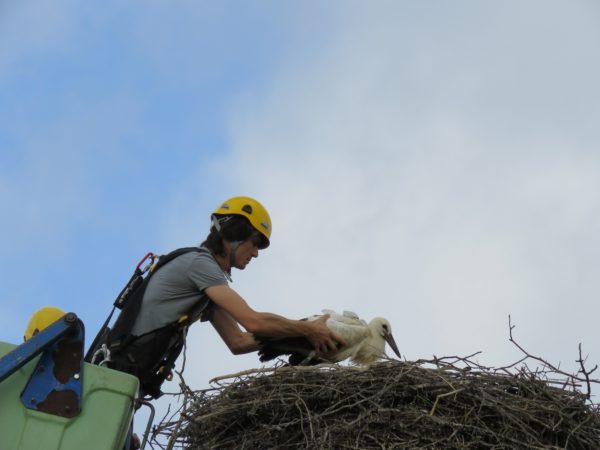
x=366, y=342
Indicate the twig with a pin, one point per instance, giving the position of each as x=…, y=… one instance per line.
x=585, y=372
x=437, y=399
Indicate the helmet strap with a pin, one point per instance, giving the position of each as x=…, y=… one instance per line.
x=215, y=222
x=233, y=246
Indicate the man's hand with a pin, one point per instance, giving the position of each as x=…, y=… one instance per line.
x=135, y=442
x=322, y=338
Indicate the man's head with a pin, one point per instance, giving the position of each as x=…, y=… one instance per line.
x=236, y=221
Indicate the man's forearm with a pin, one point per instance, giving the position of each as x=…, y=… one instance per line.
x=273, y=325
x=246, y=344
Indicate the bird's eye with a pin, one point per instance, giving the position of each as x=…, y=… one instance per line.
x=385, y=327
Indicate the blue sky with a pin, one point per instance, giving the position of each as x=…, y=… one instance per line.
x=433, y=162
x=106, y=114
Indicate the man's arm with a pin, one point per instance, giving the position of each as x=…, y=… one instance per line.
x=237, y=341
x=273, y=325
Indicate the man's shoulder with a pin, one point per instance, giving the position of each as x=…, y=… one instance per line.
x=203, y=267
x=202, y=258
x=194, y=256
x=189, y=253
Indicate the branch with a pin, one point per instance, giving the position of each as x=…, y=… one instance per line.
x=571, y=377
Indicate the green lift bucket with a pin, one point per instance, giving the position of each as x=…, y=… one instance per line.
x=107, y=406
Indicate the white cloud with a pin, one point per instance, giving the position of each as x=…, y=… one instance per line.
x=417, y=167
x=396, y=190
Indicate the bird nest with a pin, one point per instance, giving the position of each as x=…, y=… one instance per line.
x=441, y=403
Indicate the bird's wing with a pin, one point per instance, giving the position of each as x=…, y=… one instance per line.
x=347, y=317
x=271, y=348
x=351, y=332
x=352, y=315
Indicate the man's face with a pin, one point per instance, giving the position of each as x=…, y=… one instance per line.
x=246, y=251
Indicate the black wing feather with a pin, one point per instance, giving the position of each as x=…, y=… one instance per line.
x=298, y=348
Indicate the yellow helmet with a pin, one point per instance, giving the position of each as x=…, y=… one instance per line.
x=252, y=210
x=41, y=319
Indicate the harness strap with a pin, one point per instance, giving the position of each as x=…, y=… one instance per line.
x=151, y=357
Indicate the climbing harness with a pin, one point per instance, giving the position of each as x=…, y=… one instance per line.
x=151, y=357
x=134, y=282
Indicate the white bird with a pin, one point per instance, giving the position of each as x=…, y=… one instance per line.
x=366, y=341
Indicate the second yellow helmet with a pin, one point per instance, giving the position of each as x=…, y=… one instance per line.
x=41, y=319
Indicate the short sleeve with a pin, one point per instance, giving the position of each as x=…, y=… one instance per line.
x=204, y=272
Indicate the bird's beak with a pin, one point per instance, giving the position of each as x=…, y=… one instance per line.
x=392, y=343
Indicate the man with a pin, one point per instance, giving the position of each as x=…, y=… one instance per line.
x=195, y=285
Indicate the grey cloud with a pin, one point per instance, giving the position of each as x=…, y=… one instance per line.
x=427, y=174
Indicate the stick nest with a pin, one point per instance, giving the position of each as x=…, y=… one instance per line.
x=433, y=404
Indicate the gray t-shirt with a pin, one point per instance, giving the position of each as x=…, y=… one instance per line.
x=177, y=289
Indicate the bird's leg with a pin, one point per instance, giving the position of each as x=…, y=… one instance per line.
x=306, y=360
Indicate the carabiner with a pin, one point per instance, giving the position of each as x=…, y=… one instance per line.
x=149, y=256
